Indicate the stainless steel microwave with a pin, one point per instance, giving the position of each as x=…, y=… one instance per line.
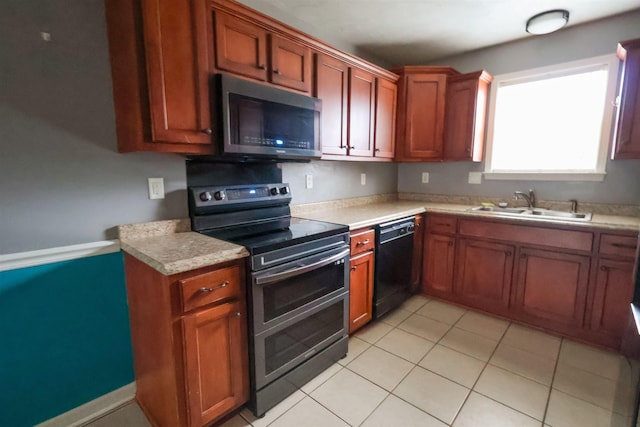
x=266, y=122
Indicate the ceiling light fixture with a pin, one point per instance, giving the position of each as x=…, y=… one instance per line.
x=547, y=22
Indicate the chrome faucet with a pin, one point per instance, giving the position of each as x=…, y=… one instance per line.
x=574, y=205
x=530, y=198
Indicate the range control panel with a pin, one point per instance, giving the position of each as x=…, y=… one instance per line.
x=245, y=196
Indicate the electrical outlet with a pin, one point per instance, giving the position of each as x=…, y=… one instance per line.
x=475, y=177
x=425, y=177
x=363, y=179
x=308, y=181
x=156, y=188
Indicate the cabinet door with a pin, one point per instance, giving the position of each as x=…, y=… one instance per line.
x=241, y=47
x=628, y=134
x=551, y=289
x=175, y=40
x=290, y=64
x=332, y=87
x=361, y=112
x=483, y=274
x=437, y=266
x=465, y=116
x=424, y=116
x=613, y=292
x=418, y=245
x=216, y=364
x=360, y=291
x=385, y=131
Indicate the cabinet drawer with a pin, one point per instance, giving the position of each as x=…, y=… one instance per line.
x=616, y=245
x=362, y=241
x=441, y=224
x=210, y=287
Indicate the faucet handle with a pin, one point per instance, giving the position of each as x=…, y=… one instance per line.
x=574, y=205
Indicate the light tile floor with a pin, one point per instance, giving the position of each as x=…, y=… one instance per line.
x=432, y=364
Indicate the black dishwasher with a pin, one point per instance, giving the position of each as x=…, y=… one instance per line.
x=394, y=256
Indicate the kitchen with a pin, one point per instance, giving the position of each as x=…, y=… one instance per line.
x=59, y=130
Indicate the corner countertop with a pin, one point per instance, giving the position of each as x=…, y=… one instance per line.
x=375, y=213
x=168, y=247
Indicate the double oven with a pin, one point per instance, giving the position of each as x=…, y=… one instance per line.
x=298, y=283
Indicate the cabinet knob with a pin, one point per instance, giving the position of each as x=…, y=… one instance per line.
x=377, y=150
x=468, y=149
x=449, y=243
x=238, y=314
x=362, y=243
x=277, y=72
x=352, y=147
x=208, y=131
x=604, y=268
x=354, y=268
x=220, y=286
x=262, y=67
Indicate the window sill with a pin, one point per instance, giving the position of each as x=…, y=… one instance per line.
x=542, y=176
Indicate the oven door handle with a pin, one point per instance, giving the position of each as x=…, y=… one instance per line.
x=270, y=278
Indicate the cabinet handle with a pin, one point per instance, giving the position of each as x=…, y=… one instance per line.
x=604, y=268
x=352, y=147
x=364, y=242
x=377, y=150
x=277, y=72
x=208, y=131
x=354, y=268
x=262, y=67
x=468, y=149
x=449, y=243
x=444, y=224
x=623, y=245
x=238, y=314
x=220, y=286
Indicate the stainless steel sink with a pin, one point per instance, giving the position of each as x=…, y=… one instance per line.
x=572, y=216
x=535, y=213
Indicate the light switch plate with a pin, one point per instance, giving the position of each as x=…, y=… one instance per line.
x=363, y=179
x=425, y=177
x=308, y=181
x=475, y=177
x=156, y=188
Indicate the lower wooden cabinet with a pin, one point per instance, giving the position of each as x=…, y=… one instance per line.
x=361, y=291
x=551, y=289
x=190, y=344
x=483, y=274
x=437, y=273
x=572, y=280
x=361, y=278
x=213, y=356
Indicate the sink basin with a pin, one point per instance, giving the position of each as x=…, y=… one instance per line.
x=574, y=216
x=536, y=212
x=499, y=210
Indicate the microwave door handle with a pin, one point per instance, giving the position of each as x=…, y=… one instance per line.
x=270, y=278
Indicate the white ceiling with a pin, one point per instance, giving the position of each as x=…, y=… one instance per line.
x=416, y=31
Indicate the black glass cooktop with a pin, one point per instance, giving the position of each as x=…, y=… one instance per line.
x=284, y=232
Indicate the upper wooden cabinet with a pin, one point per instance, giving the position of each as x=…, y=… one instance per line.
x=244, y=48
x=627, y=143
x=361, y=113
x=465, y=116
x=159, y=67
x=332, y=86
x=422, y=96
x=441, y=114
x=385, y=127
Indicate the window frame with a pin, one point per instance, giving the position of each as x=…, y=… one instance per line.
x=611, y=63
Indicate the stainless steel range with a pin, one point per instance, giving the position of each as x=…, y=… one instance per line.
x=298, y=290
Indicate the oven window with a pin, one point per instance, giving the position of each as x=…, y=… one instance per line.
x=292, y=342
x=287, y=295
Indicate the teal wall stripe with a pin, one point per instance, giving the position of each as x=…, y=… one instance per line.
x=64, y=337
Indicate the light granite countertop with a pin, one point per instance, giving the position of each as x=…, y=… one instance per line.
x=168, y=247
x=179, y=252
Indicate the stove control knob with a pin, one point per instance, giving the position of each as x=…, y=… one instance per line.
x=284, y=190
x=218, y=195
x=205, y=196
x=274, y=191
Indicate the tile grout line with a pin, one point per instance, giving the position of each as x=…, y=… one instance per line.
x=553, y=380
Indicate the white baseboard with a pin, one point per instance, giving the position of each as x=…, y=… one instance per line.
x=91, y=410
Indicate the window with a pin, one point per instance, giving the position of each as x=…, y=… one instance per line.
x=552, y=123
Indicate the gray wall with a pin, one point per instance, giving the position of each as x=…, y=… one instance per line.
x=62, y=181
x=622, y=183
